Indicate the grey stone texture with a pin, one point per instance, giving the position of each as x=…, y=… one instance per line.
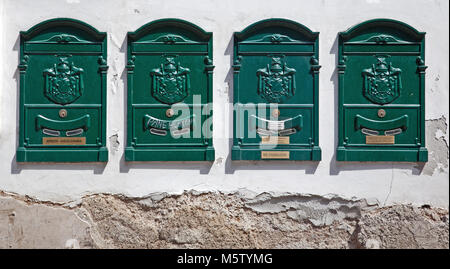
x=31, y=225
x=218, y=220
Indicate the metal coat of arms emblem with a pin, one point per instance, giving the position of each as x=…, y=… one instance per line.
x=382, y=82
x=276, y=82
x=171, y=82
x=64, y=82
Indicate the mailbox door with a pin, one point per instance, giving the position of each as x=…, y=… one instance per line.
x=62, y=93
x=169, y=93
x=381, y=93
x=276, y=73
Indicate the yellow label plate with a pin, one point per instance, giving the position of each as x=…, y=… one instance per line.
x=275, y=140
x=64, y=140
x=274, y=154
x=380, y=139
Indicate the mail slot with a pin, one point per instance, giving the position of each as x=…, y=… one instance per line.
x=169, y=115
x=382, y=93
x=62, y=93
x=276, y=81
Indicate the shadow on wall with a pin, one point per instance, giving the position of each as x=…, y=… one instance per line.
x=16, y=168
x=337, y=167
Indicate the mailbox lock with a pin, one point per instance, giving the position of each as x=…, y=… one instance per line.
x=381, y=113
x=63, y=113
x=276, y=113
x=170, y=113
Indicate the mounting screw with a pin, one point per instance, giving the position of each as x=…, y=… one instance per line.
x=276, y=113
x=170, y=113
x=63, y=113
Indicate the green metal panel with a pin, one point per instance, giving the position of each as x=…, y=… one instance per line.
x=169, y=115
x=62, y=93
x=382, y=93
x=276, y=82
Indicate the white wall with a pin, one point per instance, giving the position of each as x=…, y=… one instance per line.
x=388, y=183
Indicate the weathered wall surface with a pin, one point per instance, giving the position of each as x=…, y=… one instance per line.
x=217, y=220
x=123, y=185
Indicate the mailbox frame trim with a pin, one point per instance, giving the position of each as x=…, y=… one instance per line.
x=184, y=152
x=391, y=153
x=97, y=153
x=312, y=152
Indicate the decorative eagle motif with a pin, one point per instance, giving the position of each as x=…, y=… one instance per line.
x=276, y=82
x=170, y=82
x=64, y=82
x=382, y=82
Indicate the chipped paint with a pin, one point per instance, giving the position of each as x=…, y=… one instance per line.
x=318, y=210
x=114, y=143
x=437, y=143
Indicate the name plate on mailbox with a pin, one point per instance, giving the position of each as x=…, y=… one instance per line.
x=64, y=140
x=380, y=139
x=169, y=115
x=382, y=93
x=276, y=82
x=62, y=93
x=275, y=155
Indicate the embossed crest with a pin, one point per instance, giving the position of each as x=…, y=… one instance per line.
x=170, y=82
x=64, y=82
x=382, y=82
x=276, y=82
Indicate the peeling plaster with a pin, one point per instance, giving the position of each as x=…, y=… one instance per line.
x=114, y=143
x=316, y=209
x=218, y=220
x=437, y=144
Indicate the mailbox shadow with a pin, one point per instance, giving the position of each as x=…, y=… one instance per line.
x=16, y=168
x=335, y=166
x=16, y=77
x=203, y=167
x=310, y=167
x=229, y=81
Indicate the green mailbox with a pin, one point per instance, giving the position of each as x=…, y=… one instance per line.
x=169, y=116
x=62, y=93
x=276, y=82
x=382, y=93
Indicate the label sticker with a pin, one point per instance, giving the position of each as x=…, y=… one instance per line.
x=275, y=125
x=275, y=140
x=274, y=154
x=64, y=140
x=380, y=139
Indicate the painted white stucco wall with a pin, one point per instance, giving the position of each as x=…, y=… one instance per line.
x=388, y=183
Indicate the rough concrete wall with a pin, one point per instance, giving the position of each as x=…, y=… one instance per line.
x=217, y=220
